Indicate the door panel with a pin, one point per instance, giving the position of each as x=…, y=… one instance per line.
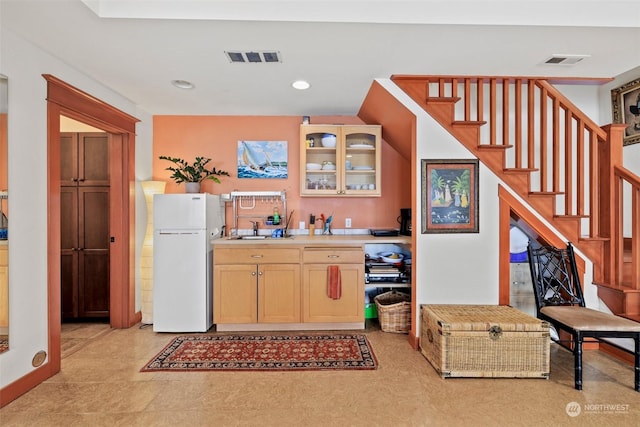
x=93, y=292
x=93, y=152
x=279, y=293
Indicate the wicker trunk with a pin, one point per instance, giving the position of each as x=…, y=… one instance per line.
x=484, y=341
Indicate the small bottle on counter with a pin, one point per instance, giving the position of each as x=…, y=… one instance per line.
x=276, y=216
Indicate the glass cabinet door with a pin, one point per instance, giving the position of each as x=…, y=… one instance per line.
x=320, y=156
x=362, y=160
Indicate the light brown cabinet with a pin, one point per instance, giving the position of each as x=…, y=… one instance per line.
x=316, y=304
x=256, y=285
x=350, y=168
x=84, y=225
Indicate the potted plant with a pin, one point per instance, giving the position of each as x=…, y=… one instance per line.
x=193, y=174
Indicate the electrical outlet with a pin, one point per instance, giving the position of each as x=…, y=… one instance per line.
x=347, y=223
x=301, y=225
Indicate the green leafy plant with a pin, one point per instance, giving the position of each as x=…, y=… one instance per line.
x=196, y=172
x=462, y=182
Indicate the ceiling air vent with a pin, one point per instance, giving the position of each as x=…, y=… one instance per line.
x=252, y=56
x=562, y=59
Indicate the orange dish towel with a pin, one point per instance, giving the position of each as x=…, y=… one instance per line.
x=334, y=282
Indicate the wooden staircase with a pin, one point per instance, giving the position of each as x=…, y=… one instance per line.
x=566, y=167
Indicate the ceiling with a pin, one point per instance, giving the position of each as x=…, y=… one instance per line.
x=137, y=48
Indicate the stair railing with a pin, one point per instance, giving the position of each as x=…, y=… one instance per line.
x=565, y=152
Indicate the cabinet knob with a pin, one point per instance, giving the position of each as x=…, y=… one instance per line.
x=253, y=273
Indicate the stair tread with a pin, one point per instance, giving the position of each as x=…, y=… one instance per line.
x=545, y=193
x=493, y=147
x=469, y=122
x=443, y=98
x=593, y=239
x=520, y=170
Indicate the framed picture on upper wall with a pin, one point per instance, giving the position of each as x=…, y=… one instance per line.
x=450, y=196
x=262, y=159
x=625, y=102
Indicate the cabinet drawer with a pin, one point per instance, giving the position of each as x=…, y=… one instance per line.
x=336, y=255
x=256, y=256
x=4, y=259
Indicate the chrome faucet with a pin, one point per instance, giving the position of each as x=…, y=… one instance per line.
x=255, y=227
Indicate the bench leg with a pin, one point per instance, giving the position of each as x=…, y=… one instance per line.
x=577, y=356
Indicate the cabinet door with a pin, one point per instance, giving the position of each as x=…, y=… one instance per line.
x=362, y=160
x=318, y=307
x=68, y=159
x=93, y=261
x=93, y=159
x=69, y=252
x=279, y=293
x=235, y=294
x=314, y=180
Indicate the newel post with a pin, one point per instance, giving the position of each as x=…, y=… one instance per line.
x=609, y=156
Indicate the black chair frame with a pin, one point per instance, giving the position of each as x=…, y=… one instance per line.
x=560, y=301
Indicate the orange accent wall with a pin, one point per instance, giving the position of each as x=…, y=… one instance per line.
x=217, y=137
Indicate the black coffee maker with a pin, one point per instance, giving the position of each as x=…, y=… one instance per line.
x=405, y=221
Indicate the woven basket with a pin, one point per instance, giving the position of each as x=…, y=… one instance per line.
x=394, y=311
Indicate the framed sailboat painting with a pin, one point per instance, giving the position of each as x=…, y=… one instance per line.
x=262, y=159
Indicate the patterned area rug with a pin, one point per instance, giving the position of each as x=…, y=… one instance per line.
x=4, y=343
x=264, y=353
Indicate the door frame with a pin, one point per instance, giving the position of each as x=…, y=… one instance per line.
x=64, y=99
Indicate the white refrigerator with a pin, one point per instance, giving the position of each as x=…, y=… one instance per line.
x=184, y=226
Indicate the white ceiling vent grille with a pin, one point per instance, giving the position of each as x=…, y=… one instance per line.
x=252, y=56
x=562, y=59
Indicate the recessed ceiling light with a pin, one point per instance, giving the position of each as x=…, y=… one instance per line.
x=301, y=84
x=182, y=84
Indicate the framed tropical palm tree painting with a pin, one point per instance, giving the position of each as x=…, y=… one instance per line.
x=450, y=196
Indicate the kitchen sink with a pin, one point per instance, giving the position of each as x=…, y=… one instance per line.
x=261, y=237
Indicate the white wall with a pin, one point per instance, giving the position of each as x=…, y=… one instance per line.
x=453, y=268
x=24, y=64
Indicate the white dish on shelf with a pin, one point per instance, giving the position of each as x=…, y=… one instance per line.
x=329, y=167
x=328, y=141
x=361, y=146
x=362, y=168
x=314, y=166
x=391, y=257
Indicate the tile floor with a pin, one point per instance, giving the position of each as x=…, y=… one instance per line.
x=100, y=385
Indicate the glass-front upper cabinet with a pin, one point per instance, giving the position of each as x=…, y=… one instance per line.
x=340, y=160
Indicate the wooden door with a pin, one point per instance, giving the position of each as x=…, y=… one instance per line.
x=279, y=293
x=93, y=262
x=235, y=293
x=318, y=307
x=93, y=159
x=69, y=252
